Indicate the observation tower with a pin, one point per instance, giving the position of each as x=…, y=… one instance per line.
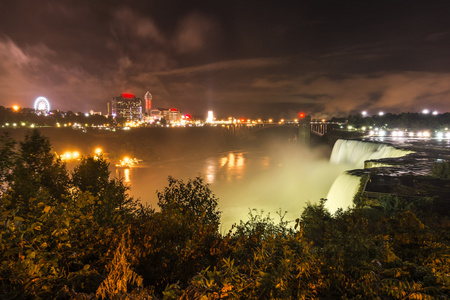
x=147, y=103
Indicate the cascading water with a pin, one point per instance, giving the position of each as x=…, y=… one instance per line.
x=342, y=191
x=357, y=152
x=354, y=154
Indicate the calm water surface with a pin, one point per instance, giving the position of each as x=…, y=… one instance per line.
x=271, y=180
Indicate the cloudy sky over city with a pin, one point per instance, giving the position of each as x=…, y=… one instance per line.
x=237, y=58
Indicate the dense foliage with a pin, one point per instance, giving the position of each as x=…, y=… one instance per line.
x=441, y=170
x=79, y=235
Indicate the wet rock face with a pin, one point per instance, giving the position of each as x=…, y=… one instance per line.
x=409, y=175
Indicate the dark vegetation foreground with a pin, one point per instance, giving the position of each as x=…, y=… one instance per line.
x=79, y=235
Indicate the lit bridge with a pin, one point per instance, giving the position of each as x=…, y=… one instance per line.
x=300, y=131
x=316, y=127
x=320, y=128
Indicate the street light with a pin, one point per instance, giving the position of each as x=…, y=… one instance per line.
x=98, y=151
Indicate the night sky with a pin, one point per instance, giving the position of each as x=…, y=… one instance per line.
x=237, y=58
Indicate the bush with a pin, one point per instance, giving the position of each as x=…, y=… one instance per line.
x=441, y=170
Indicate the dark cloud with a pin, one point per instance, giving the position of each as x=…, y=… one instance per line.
x=258, y=59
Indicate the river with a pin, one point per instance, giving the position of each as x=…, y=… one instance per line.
x=276, y=175
x=269, y=179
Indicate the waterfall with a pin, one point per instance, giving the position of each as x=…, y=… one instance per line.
x=342, y=192
x=354, y=153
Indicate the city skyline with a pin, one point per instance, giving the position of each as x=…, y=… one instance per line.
x=266, y=59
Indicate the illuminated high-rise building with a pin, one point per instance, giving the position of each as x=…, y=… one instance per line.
x=147, y=103
x=210, y=118
x=127, y=106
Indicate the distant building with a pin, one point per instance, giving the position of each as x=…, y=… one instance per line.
x=171, y=115
x=127, y=106
x=94, y=113
x=147, y=103
x=155, y=114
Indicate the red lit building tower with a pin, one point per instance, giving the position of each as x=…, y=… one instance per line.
x=147, y=103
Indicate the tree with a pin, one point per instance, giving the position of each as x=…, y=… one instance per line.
x=441, y=170
x=92, y=175
x=7, y=158
x=314, y=221
x=194, y=198
x=36, y=167
x=179, y=241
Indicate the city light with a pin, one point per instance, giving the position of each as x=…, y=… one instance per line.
x=424, y=134
x=426, y=111
x=70, y=155
x=397, y=133
x=15, y=107
x=364, y=113
x=127, y=162
x=381, y=113
x=210, y=118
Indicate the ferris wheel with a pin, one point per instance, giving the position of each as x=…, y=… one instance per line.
x=41, y=105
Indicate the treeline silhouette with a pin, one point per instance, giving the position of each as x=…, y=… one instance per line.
x=27, y=116
x=408, y=120
x=79, y=235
